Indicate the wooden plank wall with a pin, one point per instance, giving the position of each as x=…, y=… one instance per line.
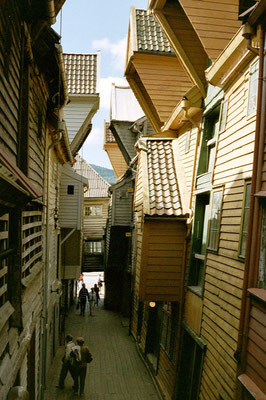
x=263, y=186
x=187, y=37
x=75, y=114
x=162, y=260
x=10, y=56
x=215, y=22
x=166, y=375
x=93, y=226
x=69, y=204
x=116, y=158
x=224, y=270
x=256, y=349
x=122, y=204
x=165, y=81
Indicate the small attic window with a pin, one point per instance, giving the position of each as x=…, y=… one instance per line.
x=70, y=189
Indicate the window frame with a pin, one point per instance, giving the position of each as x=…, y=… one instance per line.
x=169, y=327
x=214, y=191
x=253, y=80
x=91, y=214
x=244, y=222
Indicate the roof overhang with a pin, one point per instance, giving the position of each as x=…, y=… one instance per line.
x=15, y=187
x=231, y=60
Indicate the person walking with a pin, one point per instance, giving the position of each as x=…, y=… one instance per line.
x=83, y=296
x=66, y=362
x=92, y=300
x=82, y=357
x=97, y=295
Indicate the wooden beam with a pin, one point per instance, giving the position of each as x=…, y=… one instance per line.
x=179, y=50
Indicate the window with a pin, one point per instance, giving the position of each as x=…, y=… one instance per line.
x=223, y=115
x=262, y=262
x=70, y=189
x=93, y=211
x=190, y=367
x=92, y=247
x=244, y=229
x=187, y=145
x=199, y=241
x=253, y=86
x=215, y=217
x=169, y=329
x=208, y=145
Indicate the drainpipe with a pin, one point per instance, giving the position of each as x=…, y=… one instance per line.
x=253, y=234
x=62, y=73
x=46, y=267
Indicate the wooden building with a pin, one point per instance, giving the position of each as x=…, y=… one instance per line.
x=82, y=77
x=72, y=187
x=112, y=149
x=96, y=201
x=33, y=146
x=211, y=115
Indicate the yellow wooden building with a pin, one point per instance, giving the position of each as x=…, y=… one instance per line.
x=211, y=110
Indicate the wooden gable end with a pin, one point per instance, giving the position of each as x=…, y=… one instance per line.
x=215, y=22
x=116, y=158
x=162, y=260
x=184, y=41
x=164, y=80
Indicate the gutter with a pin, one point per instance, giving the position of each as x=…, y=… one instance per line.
x=63, y=73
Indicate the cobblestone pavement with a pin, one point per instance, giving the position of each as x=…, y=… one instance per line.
x=117, y=371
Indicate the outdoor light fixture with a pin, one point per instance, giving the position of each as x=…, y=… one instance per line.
x=152, y=304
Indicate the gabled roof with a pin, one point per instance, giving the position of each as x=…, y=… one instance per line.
x=150, y=37
x=153, y=71
x=98, y=187
x=81, y=73
x=161, y=180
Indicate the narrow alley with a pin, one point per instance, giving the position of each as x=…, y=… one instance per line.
x=117, y=371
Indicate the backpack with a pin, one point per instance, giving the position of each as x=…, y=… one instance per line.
x=74, y=358
x=87, y=356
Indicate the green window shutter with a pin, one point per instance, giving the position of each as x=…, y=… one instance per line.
x=215, y=218
x=253, y=86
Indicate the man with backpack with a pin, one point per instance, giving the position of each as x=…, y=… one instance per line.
x=66, y=362
x=82, y=357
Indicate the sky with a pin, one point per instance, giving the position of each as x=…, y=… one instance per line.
x=88, y=26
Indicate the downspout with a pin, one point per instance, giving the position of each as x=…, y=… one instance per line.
x=46, y=267
x=253, y=233
x=62, y=73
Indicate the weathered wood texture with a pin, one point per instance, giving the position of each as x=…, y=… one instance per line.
x=224, y=269
x=94, y=225
x=116, y=158
x=215, y=22
x=122, y=203
x=263, y=186
x=187, y=37
x=162, y=260
x=165, y=81
x=256, y=348
x=166, y=375
x=75, y=114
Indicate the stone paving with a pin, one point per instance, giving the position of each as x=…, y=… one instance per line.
x=117, y=371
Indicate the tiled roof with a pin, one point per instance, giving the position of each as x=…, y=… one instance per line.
x=98, y=187
x=109, y=137
x=162, y=180
x=81, y=73
x=150, y=37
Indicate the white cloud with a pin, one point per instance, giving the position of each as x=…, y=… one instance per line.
x=105, y=90
x=116, y=49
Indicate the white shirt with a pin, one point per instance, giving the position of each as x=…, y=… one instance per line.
x=68, y=347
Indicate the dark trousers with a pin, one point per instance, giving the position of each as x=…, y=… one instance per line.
x=82, y=307
x=79, y=380
x=64, y=370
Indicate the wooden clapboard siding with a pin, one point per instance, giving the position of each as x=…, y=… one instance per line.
x=162, y=258
x=165, y=81
x=116, y=158
x=122, y=203
x=215, y=22
x=10, y=56
x=93, y=226
x=166, y=375
x=256, y=348
x=134, y=321
x=75, y=114
x=186, y=36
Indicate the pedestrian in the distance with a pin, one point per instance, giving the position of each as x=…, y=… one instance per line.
x=83, y=296
x=80, y=367
x=66, y=362
x=92, y=300
x=97, y=295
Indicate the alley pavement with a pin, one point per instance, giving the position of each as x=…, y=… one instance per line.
x=117, y=371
